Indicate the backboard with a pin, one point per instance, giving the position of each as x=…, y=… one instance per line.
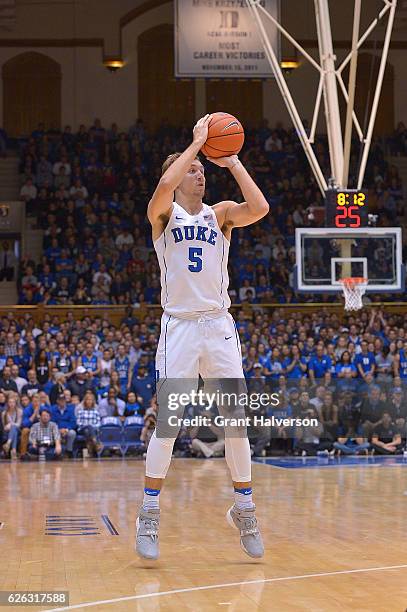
x=324, y=256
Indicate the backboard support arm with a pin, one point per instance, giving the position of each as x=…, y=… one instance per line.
x=330, y=76
x=287, y=97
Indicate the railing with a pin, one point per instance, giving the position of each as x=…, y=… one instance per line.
x=116, y=313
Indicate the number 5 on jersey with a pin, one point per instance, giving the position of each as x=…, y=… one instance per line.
x=195, y=256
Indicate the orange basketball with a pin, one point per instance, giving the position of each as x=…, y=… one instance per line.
x=225, y=136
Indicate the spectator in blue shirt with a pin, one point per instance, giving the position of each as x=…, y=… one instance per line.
x=143, y=386
x=263, y=356
x=23, y=360
x=47, y=277
x=63, y=264
x=319, y=365
x=309, y=349
x=295, y=366
x=31, y=415
x=63, y=415
x=365, y=361
x=275, y=365
x=346, y=372
x=3, y=357
x=133, y=407
x=53, y=251
x=401, y=363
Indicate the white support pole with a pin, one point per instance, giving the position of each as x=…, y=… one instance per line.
x=372, y=26
x=331, y=102
x=345, y=95
x=328, y=86
x=289, y=37
x=285, y=92
x=316, y=109
x=376, y=98
x=351, y=92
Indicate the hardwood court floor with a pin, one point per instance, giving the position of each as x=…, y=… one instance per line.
x=319, y=526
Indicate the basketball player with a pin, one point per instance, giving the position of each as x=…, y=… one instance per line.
x=198, y=335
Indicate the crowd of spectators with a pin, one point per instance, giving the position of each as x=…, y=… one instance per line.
x=88, y=191
x=351, y=376
x=61, y=378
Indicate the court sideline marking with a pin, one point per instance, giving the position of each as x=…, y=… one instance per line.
x=226, y=585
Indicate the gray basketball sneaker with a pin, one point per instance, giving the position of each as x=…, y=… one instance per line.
x=250, y=537
x=147, y=525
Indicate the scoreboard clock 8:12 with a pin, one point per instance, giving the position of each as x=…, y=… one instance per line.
x=346, y=208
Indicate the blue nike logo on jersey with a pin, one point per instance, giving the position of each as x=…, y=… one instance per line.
x=228, y=337
x=180, y=218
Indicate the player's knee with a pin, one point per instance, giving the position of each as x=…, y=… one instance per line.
x=166, y=442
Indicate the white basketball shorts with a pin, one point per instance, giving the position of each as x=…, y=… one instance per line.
x=206, y=346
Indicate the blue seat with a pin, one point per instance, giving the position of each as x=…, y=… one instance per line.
x=111, y=420
x=110, y=434
x=135, y=419
x=132, y=429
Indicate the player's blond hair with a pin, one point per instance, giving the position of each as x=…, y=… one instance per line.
x=170, y=160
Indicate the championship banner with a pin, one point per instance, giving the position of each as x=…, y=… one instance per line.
x=220, y=38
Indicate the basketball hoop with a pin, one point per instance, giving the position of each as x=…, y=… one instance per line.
x=354, y=288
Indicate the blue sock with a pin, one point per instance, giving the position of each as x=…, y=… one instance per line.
x=244, y=498
x=151, y=499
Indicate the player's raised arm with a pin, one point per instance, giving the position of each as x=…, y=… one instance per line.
x=255, y=206
x=160, y=204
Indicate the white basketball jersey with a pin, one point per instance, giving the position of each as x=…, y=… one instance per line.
x=193, y=256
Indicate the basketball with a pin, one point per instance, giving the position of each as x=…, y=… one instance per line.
x=225, y=136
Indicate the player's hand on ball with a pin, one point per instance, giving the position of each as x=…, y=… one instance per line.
x=201, y=130
x=225, y=162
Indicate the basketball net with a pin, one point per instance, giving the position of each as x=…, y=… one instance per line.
x=354, y=289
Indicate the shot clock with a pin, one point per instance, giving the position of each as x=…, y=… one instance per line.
x=346, y=208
